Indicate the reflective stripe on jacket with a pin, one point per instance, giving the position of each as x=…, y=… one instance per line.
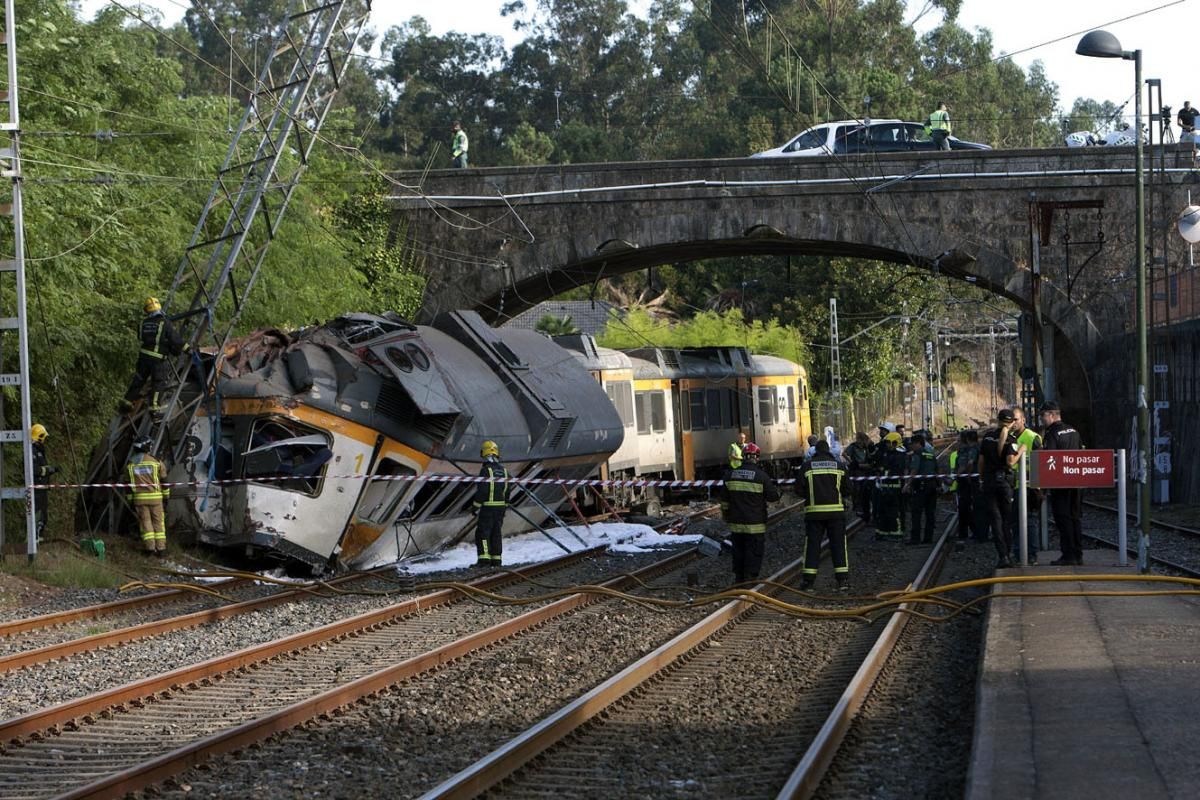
x=822, y=486
x=746, y=492
x=492, y=493
x=146, y=476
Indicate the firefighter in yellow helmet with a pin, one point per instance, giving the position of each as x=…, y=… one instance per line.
x=146, y=485
x=41, y=473
x=159, y=344
x=744, y=493
x=491, y=501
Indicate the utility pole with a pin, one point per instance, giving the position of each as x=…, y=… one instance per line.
x=835, y=355
x=13, y=317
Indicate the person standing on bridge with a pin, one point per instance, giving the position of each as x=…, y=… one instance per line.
x=938, y=127
x=745, y=492
x=1187, y=122
x=1065, y=503
x=821, y=484
x=459, y=145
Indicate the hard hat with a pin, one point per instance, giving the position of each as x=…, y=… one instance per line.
x=489, y=448
x=751, y=449
x=894, y=438
x=38, y=432
x=151, y=305
x=887, y=426
x=143, y=444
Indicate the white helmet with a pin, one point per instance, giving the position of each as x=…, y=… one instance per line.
x=1121, y=139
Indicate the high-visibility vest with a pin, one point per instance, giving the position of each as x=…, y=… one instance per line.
x=146, y=477
x=953, y=464
x=939, y=121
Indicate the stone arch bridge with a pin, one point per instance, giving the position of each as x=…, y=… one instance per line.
x=500, y=240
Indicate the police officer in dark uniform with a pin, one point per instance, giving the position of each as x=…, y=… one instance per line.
x=922, y=489
x=745, y=492
x=159, y=343
x=892, y=466
x=998, y=452
x=821, y=483
x=491, y=501
x=1065, y=503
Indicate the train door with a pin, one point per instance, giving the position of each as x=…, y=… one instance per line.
x=379, y=504
x=745, y=408
x=685, y=463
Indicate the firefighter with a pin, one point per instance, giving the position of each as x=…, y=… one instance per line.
x=892, y=466
x=491, y=501
x=745, y=491
x=922, y=489
x=821, y=483
x=41, y=473
x=146, y=485
x=160, y=343
x=1065, y=503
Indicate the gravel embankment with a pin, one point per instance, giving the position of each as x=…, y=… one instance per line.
x=43, y=685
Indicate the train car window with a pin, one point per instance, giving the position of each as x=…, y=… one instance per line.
x=424, y=496
x=803, y=391
x=766, y=405
x=381, y=496
x=714, y=408
x=453, y=499
x=642, y=407
x=699, y=418
x=685, y=413
x=400, y=358
x=727, y=401
x=621, y=395
x=283, y=447
x=417, y=355
x=658, y=412
x=791, y=403
x=745, y=411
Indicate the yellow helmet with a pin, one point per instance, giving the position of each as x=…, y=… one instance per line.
x=894, y=438
x=489, y=448
x=151, y=305
x=38, y=432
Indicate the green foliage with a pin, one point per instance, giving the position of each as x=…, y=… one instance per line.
x=107, y=218
x=529, y=146
x=551, y=325
x=707, y=329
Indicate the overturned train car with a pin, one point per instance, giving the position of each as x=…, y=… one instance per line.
x=375, y=396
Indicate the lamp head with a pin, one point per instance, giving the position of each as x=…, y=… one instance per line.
x=1101, y=44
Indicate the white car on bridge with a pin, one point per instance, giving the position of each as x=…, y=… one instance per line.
x=816, y=141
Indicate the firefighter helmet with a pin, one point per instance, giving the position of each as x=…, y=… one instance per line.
x=38, y=432
x=151, y=305
x=489, y=448
x=751, y=450
x=894, y=438
x=143, y=444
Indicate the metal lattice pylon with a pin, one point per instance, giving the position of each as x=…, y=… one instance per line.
x=266, y=159
x=12, y=303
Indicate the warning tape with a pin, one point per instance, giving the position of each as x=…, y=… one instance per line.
x=440, y=478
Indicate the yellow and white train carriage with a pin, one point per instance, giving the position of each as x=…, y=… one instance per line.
x=343, y=410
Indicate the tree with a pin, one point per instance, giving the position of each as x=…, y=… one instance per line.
x=550, y=325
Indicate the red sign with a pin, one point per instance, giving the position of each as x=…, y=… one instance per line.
x=1074, y=469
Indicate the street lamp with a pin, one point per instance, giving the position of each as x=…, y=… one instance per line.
x=1102, y=44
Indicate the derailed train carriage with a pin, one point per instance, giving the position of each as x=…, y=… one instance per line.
x=314, y=447
x=376, y=396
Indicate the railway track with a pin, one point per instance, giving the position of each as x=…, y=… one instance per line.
x=652, y=705
x=119, y=740
x=1174, y=547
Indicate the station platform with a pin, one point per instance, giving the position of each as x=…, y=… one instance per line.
x=1087, y=697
